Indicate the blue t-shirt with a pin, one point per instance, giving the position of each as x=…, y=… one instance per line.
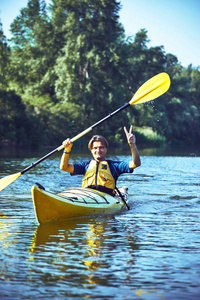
x=116, y=168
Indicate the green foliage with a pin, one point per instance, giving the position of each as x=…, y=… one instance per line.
x=68, y=67
x=4, y=58
x=147, y=137
x=15, y=126
x=87, y=64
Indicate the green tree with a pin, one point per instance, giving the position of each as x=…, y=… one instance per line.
x=32, y=51
x=4, y=58
x=74, y=65
x=16, y=127
x=87, y=69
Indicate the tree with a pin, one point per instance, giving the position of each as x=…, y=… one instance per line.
x=4, y=58
x=73, y=66
x=16, y=127
x=87, y=69
x=33, y=51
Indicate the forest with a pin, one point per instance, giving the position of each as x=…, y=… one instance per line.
x=69, y=65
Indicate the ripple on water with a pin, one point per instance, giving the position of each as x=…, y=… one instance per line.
x=148, y=252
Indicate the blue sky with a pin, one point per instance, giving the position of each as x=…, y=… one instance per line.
x=175, y=24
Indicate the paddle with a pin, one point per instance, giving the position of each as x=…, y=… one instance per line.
x=151, y=89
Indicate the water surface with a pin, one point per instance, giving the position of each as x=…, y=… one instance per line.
x=148, y=252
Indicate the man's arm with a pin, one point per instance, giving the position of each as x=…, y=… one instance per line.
x=64, y=163
x=134, y=151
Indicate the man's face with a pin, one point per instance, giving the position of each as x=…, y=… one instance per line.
x=99, y=151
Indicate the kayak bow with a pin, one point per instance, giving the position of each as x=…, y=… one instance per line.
x=74, y=202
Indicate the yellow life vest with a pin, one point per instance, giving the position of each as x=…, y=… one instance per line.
x=98, y=176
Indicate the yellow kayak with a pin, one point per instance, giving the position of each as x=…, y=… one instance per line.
x=74, y=202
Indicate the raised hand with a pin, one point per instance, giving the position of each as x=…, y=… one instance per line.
x=130, y=136
x=67, y=145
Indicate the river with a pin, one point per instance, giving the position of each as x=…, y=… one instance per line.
x=151, y=251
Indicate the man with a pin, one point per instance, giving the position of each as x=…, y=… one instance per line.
x=99, y=173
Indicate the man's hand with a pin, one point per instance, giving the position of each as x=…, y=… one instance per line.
x=135, y=154
x=130, y=136
x=67, y=145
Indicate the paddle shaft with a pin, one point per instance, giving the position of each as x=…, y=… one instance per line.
x=111, y=115
x=38, y=161
x=122, y=197
x=76, y=137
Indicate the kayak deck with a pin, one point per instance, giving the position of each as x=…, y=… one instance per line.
x=74, y=202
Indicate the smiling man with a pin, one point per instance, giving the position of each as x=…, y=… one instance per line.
x=99, y=173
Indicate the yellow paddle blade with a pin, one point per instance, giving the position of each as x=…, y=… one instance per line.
x=151, y=89
x=5, y=181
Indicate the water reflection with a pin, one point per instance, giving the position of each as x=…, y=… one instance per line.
x=148, y=252
x=85, y=244
x=7, y=229
x=55, y=232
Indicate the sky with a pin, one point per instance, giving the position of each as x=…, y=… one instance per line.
x=174, y=24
